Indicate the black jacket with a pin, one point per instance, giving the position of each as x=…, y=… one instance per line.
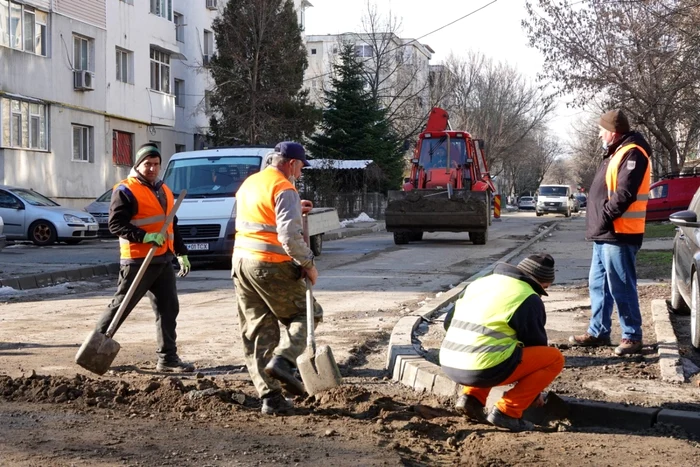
x=528, y=322
x=600, y=212
x=122, y=209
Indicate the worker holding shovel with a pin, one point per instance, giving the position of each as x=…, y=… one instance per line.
x=270, y=264
x=497, y=337
x=137, y=212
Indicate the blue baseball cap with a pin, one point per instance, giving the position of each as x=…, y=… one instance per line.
x=292, y=150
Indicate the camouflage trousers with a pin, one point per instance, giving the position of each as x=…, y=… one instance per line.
x=269, y=295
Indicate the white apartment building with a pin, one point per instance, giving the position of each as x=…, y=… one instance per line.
x=405, y=60
x=83, y=83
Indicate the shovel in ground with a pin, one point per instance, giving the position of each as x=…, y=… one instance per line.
x=99, y=350
x=317, y=367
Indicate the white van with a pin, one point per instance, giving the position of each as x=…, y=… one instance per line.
x=553, y=199
x=207, y=216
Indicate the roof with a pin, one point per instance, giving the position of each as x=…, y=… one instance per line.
x=338, y=164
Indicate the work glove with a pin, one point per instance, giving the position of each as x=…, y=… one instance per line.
x=156, y=238
x=184, y=266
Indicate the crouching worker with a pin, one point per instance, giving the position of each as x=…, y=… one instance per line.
x=497, y=337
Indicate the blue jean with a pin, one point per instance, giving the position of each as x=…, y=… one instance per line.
x=613, y=279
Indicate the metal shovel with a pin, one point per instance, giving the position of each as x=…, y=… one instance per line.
x=99, y=350
x=317, y=367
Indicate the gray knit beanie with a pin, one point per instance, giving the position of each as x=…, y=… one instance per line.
x=539, y=266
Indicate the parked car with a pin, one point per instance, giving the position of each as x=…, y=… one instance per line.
x=575, y=205
x=670, y=195
x=526, y=203
x=2, y=237
x=29, y=215
x=99, y=209
x=685, y=269
x=582, y=200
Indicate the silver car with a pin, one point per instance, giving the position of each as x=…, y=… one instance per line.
x=29, y=215
x=99, y=209
x=2, y=237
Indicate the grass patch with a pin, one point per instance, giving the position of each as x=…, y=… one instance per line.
x=654, y=264
x=659, y=230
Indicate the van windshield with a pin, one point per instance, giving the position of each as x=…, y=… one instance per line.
x=210, y=177
x=553, y=190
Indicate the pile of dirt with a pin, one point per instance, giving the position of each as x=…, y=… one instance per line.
x=156, y=395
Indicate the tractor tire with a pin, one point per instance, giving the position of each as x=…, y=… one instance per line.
x=401, y=238
x=479, y=238
x=316, y=244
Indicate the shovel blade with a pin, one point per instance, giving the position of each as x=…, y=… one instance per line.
x=319, y=372
x=97, y=353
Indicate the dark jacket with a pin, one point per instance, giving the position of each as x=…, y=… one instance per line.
x=528, y=322
x=123, y=208
x=600, y=212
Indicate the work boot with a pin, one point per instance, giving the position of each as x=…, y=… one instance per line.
x=174, y=366
x=276, y=403
x=628, y=347
x=471, y=407
x=282, y=370
x=499, y=419
x=586, y=340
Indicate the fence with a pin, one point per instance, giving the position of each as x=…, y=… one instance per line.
x=351, y=205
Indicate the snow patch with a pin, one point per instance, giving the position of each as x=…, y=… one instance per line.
x=361, y=218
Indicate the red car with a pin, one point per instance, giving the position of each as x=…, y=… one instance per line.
x=670, y=195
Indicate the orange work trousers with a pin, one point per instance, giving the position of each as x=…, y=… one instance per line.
x=538, y=367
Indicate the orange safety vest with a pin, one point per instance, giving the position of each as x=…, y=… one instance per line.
x=149, y=217
x=256, y=221
x=632, y=220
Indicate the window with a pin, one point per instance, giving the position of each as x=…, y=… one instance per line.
x=364, y=50
x=179, y=27
x=160, y=71
x=313, y=51
x=180, y=148
x=660, y=191
x=23, y=124
x=122, y=148
x=82, y=53
x=23, y=27
x=124, y=60
x=179, y=89
x=162, y=8
x=82, y=143
x=207, y=102
x=208, y=44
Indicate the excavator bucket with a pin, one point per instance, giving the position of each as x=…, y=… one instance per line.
x=410, y=213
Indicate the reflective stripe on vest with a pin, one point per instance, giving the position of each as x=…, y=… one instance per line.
x=479, y=336
x=256, y=219
x=632, y=220
x=149, y=217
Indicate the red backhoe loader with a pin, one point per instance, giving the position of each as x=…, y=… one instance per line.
x=449, y=189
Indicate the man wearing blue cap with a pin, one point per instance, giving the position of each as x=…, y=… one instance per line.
x=270, y=262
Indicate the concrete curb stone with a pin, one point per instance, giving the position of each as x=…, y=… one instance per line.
x=411, y=369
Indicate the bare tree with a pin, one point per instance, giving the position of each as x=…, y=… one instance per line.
x=641, y=56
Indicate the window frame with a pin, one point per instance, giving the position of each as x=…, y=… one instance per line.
x=20, y=38
x=115, y=145
x=87, y=137
x=179, y=20
x=157, y=7
x=89, y=45
x=161, y=60
x=179, y=92
x=123, y=58
x=23, y=124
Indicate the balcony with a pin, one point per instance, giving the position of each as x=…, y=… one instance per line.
x=162, y=108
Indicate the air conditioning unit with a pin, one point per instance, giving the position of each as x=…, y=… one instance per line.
x=206, y=59
x=83, y=80
x=211, y=4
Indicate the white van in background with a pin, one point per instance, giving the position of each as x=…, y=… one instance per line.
x=207, y=216
x=554, y=199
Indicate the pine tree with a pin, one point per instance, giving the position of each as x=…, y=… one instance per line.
x=259, y=70
x=353, y=126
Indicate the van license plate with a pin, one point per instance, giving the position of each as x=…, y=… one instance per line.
x=197, y=246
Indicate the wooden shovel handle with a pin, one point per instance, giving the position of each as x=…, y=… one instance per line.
x=142, y=270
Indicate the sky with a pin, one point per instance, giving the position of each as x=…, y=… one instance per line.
x=495, y=31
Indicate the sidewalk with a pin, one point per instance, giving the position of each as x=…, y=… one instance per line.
x=408, y=366
x=56, y=273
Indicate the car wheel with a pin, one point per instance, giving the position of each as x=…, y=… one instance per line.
x=42, y=233
x=694, y=318
x=73, y=241
x=678, y=305
x=316, y=244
